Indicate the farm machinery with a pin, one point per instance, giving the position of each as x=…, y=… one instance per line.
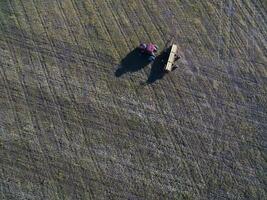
x=148, y=50
x=168, y=56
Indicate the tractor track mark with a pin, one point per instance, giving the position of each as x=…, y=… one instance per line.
x=59, y=53
x=143, y=164
x=184, y=140
x=160, y=33
x=40, y=62
x=23, y=85
x=179, y=130
x=129, y=47
x=92, y=152
x=45, y=68
x=51, y=89
x=52, y=92
x=33, y=113
x=78, y=14
x=83, y=131
x=19, y=73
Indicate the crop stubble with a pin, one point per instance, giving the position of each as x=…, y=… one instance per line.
x=70, y=129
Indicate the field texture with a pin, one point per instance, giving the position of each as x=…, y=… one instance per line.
x=82, y=118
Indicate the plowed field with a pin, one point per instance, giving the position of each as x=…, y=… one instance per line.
x=74, y=127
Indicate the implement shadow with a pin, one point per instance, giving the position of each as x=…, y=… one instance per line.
x=133, y=62
x=157, y=70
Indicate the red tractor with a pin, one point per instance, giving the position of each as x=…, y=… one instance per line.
x=149, y=50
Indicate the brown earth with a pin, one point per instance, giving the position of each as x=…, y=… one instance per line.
x=74, y=127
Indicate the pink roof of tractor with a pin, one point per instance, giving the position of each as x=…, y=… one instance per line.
x=151, y=48
x=148, y=49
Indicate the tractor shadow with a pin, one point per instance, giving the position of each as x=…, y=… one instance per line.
x=157, y=69
x=133, y=62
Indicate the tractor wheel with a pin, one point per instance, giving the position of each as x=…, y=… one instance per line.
x=151, y=58
x=142, y=46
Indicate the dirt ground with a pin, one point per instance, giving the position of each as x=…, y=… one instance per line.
x=82, y=116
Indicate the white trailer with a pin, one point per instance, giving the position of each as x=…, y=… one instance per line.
x=171, y=58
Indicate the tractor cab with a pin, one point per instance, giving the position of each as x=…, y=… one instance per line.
x=149, y=50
